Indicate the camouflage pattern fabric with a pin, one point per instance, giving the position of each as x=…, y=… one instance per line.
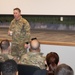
x=35, y=59
x=20, y=35
x=4, y=57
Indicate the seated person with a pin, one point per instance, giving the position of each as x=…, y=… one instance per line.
x=64, y=69
x=9, y=67
x=52, y=60
x=34, y=57
x=5, y=51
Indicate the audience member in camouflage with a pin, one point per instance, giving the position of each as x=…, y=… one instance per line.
x=5, y=51
x=4, y=57
x=34, y=57
x=20, y=31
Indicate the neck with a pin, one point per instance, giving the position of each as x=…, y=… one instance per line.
x=5, y=52
x=18, y=18
x=37, y=51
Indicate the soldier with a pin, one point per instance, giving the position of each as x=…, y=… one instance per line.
x=20, y=31
x=5, y=51
x=34, y=57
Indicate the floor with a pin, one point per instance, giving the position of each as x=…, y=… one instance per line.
x=45, y=35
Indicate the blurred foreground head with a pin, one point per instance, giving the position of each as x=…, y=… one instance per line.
x=9, y=67
x=64, y=69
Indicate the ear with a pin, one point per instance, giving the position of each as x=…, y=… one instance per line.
x=17, y=73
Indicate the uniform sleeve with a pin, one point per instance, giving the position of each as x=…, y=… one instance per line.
x=11, y=25
x=42, y=63
x=27, y=29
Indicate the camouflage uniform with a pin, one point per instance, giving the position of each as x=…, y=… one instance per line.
x=4, y=57
x=35, y=59
x=20, y=35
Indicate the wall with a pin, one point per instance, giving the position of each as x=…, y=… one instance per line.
x=39, y=7
x=66, y=53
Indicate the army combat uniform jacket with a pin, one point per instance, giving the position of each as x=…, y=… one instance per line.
x=33, y=58
x=20, y=35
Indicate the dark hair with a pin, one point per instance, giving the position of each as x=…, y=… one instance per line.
x=9, y=67
x=33, y=38
x=52, y=58
x=64, y=69
x=4, y=44
x=17, y=9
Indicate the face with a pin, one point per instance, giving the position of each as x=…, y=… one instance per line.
x=17, y=14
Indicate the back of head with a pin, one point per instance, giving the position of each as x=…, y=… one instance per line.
x=9, y=67
x=52, y=60
x=64, y=69
x=4, y=44
x=34, y=44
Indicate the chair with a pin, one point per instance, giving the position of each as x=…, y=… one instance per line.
x=27, y=69
x=1, y=65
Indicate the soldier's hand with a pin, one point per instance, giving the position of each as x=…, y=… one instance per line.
x=9, y=32
x=26, y=46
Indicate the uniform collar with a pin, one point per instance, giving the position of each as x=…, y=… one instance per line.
x=18, y=19
x=35, y=53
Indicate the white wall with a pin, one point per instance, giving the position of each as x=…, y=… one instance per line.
x=66, y=53
x=39, y=7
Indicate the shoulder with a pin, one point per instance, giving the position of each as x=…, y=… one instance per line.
x=2, y=58
x=12, y=21
x=40, y=56
x=24, y=20
x=24, y=59
x=10, y=56
x=27, y=56
x=24, y=56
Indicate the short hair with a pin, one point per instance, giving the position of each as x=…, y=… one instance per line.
x=4, y=44
x=52, y=58
x=34, y=38
x=64, y=69
x=34, y=44
x=9, y=67
x=17, y=9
